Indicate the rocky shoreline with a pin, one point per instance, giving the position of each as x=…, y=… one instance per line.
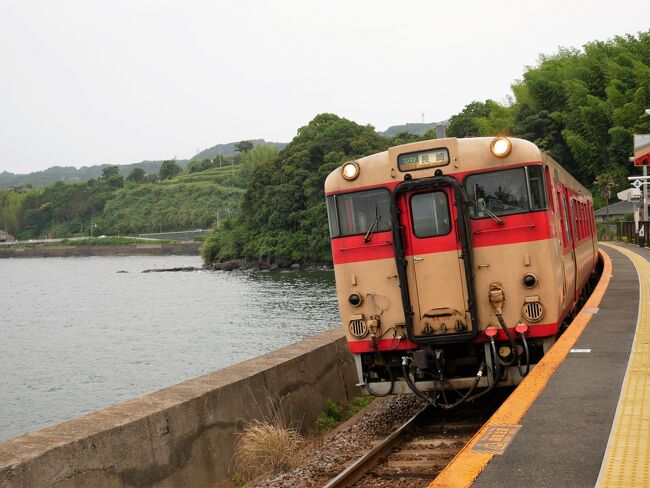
x=244, y=265
x=277, y=265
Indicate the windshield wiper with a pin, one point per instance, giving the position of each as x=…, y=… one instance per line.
x=373, y=226
x=483, y=207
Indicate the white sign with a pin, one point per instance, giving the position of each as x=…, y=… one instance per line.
x=637, y=183
x=642, y=231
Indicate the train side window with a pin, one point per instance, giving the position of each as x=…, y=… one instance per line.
x=430, y=213
x=574, y=220
x=506, y=192
x=357, y=212
x=565, y=230
x=536, y=184
x=332, y=217
x=558, y=202
x=582, y=232
x=549, y=190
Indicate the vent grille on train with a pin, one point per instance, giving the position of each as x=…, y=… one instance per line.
x=358, y=328
x=533, y=311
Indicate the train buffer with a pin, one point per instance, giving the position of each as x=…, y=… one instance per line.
x=583, y=419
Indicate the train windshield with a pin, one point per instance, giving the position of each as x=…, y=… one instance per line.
x=358, y=213
x=506, y=192
x=430, y=213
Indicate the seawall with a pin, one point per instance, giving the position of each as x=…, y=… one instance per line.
x=183, y=435
x=154, y=249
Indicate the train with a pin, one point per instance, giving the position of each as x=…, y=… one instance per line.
x=458, y=261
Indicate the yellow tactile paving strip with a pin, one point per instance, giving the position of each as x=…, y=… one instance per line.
x=467, y=465
x=627, y=458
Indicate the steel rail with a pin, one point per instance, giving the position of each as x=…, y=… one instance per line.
x=360, y=467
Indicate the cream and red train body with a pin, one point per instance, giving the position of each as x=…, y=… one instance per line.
x=439, y=246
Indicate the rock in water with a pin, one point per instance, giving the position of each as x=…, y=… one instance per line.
x=162, y=270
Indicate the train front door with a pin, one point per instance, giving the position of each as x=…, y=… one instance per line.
x=436, y=275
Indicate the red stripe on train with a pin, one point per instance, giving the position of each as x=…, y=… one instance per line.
x=518, y=228
x=352, y=249
x=358, y=347
x=535, y=226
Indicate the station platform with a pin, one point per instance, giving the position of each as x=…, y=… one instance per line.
x=582, y=416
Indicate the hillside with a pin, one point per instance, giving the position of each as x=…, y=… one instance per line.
x=167, y=207
x=230, y=149
x=112, y=204
x=419, y=129
x=70, y=174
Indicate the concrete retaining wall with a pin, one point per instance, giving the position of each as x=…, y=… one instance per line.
x=181, y=436
x=154, y=249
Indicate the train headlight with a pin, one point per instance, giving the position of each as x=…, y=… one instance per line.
x=530, y=280
x=355, y=299
x=501, y=147
x=350, y=170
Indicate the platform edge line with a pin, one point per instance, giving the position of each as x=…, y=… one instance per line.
x=610, y=440
x=467, y=465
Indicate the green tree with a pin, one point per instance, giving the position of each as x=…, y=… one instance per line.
x=283, y=216
x=169, y=169
x=111, y=177
x=250, y=160
x=464, y=124
x=404, y=138
x=109, y=171
x=605, y=183
x=10, y=211
x=243, y=146
x=136, y=175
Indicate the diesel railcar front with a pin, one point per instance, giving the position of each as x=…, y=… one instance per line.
x=456, y=262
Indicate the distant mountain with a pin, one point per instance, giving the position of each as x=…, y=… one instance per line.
x=230, y=149
x=419, y=129
x=70, y=174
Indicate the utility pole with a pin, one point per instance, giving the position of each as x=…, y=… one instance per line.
x=645, y=187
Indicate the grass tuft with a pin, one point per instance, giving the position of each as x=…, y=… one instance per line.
x=266, y=448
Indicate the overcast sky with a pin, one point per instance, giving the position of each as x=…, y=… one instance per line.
x=86, y=82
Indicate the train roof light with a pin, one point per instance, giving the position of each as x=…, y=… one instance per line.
x=501, y=147
x=350, y=170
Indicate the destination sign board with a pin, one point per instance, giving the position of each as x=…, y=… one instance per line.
x=423, y=159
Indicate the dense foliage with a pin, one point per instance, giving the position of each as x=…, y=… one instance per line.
x=283, y=215
x=139, y=203
x=581, y=106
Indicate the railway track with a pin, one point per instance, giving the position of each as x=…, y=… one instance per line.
x=419, y=449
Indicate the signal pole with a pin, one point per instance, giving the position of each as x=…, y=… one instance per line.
x=643, y=204
x=645, y=178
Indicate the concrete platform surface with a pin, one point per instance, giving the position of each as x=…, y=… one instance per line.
x=564, y=435
x=583, y=421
